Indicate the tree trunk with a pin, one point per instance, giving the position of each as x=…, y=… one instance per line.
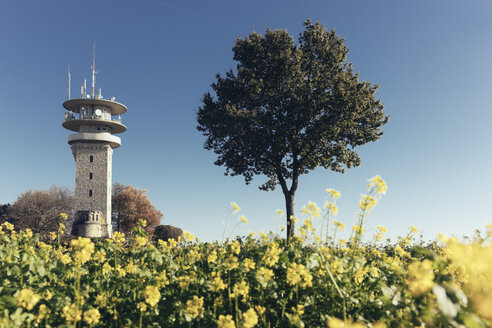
x=289, y=206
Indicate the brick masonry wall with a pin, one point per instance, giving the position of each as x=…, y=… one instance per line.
x=100, y=184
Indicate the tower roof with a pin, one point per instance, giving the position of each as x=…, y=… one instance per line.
x=74, y=105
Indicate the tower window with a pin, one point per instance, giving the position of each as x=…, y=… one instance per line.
x=90, y=175
x=90, y=193
x=91, y=159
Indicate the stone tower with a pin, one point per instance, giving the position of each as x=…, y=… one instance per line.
x=95, y=122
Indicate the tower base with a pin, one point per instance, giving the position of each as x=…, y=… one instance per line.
x=90, y=224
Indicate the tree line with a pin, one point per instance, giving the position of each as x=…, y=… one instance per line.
x=41, y=210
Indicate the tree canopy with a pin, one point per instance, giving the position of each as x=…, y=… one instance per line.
x=289, y=108
x=131, y=204
x=5, y=210
x=40, y=210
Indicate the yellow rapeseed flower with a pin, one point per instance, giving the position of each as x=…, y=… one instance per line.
x=248, y=264
x=331, y=208
x=337, y=323
x=187, y=236
x=101, y=300
x=374, y=272
x=367, y=202
x=357, y=229
x=243, y=219
x=379, y=184
x=184, y=282
x=473, y=267
x=333, y=193
x=118, y=238
x=63, y=257
x=336, y=267
x=142, y=306
x=235, y=247
x=235, y=207
x=92, y=316
x=83, y=248
x=71, y=313
x=61, y=229
x=152, y=295
x=106, y=268
x=131, y=267
x=171, y=243
x=194, y=308
x=8, y=226
x=250, y=318
x=44, y=246
x=120, y=270
x=298, y=274
x=420, y=277
x=47, y=295
x=212, y=257
x=308, y=224
x=401, y=252
x=280, y=212
x=260, y=309
x=100, y=256
x=271, y=257
x=264, y=237
x=232, y=262
x=240, y=289
x=305, y=210
x=314, y=209
x=43, y=313
x=340, y=226
x=141, y=241
x=299, y=309
x=263, y=275
x=217, y=284
x=28, y=233
x=359, y=276
x=27, y=298
x=225, y=322
x=382, y=229
x=342, y=242
x=162, y=280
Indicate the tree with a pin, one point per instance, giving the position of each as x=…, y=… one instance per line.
x=40, y=210
x=5, y=210
x=166, y=232
x=129, y=205
x=288, y=109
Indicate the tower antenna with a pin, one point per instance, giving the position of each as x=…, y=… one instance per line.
x=68, y=89
x=93, y=68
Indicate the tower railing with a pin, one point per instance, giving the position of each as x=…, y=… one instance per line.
x=69, y=116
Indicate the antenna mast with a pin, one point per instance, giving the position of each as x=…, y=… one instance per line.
x=68, y=89
x=93, y=68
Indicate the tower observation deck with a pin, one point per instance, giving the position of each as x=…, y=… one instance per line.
x=95, y=122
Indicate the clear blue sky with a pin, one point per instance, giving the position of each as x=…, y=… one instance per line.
x=431, y=58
